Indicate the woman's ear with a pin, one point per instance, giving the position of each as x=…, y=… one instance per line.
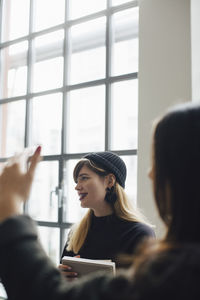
x=150, y=173
x=111, y=180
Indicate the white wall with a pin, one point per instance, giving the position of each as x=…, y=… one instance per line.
x=195, y=38
x=164, y=79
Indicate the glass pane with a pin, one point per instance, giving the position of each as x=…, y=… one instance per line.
x=43, y=202
x=118, y=2
x=14, y=70
x=48, y=69
x=50, y=239
x=64, y=237
x=50, y=42
x=72, y=211
x=12, y=124
x=124, y=115
x=86, y=120
x=48, y=74
x=125, y=42
x=46, y=123
x=15, y=19
x=131, y=180
x=87, y=60
x=79, y=8
x=49, y=13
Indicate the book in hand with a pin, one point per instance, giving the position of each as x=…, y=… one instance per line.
x=84, y=266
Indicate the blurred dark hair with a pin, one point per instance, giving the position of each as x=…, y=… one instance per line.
x=176, y=164
x=168, y=273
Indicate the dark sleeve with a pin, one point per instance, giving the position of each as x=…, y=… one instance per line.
x=27, y=272
x=65, y=252
x=144, y=232
x=136, y=234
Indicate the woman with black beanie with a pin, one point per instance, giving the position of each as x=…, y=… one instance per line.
x=112, y=225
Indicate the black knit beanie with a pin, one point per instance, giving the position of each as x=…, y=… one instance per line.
x=110, y=162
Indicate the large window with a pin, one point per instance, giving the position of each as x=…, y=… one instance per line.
x=68, y=81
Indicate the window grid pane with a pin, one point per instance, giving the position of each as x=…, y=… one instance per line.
x=79, y=8
x=86, y=124
x=46, y=122
x=12, y=136
x=14, y=70
x=17, y=20
x=43, y=202
x=87, y=51
x=62, y=88
x=124, y=107
x=50, y=239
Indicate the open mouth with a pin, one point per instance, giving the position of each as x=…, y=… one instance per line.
x=82, y=196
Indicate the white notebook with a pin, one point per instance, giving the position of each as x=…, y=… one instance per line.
x=85, y=266
x=3, y=294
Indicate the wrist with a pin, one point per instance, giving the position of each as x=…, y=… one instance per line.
x=11, y=206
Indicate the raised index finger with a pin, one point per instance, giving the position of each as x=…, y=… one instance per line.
x=34, y=161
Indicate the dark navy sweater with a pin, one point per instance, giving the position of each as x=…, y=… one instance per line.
x=110, y=236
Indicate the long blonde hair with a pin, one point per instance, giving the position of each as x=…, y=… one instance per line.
x=122, y=208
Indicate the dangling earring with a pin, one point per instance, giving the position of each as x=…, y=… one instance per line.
x=110, y=196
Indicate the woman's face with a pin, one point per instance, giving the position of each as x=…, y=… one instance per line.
x=91, y=189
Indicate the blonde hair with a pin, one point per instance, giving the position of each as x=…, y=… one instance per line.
x=122, y=208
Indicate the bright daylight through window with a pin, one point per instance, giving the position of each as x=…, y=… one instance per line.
x=68, y=81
